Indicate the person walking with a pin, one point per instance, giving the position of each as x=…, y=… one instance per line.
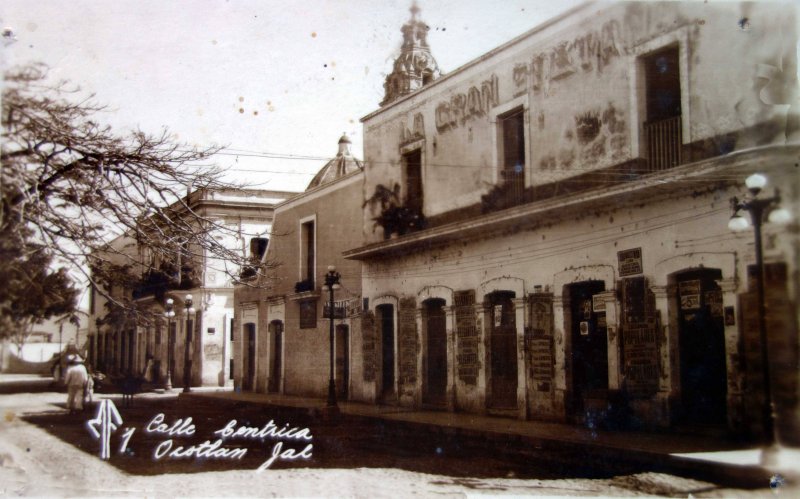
x=76, y=379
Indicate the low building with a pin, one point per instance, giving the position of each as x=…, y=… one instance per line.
x=282, y=323
x=198, y=290
x=556, y=241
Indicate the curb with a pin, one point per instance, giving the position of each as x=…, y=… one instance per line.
x=597, y=457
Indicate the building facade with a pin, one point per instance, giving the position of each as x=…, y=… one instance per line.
x=196, y=340
x=555, y=239
x=283, y=319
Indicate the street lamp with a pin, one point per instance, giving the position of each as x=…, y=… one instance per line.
x=187, y=362
x=758, y=207
x=332, y=284
x=169, y=313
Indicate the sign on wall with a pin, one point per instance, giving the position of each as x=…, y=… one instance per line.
x=639, y=338
x=630, y=262
x=466, y=337
x=689, y=292
x=539, y=341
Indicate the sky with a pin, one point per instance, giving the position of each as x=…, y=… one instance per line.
x=261, y=78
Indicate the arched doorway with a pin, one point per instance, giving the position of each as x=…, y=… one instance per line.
x=435, y=367
x=503, y=350
x=385, y=316
x=588, y=348
x=701, y=340
x=275, y=356
x=342, y=361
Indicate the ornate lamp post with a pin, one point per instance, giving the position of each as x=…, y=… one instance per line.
x=169, y=313
x=187, y=362
x=332, y=284
x=758, y=207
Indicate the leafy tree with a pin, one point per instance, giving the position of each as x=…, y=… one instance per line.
x=70, y=184
x=32, y=292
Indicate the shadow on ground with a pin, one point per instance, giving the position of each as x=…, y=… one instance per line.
x=345, y=442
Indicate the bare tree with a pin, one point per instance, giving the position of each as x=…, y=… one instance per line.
x=70, y=184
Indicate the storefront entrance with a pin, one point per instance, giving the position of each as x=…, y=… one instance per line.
x=435, y=383
x=503, y=350
x=588, y=352
x=701, y=336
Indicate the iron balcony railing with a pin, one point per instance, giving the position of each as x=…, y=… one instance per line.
x=514, y=186
x=663, y=143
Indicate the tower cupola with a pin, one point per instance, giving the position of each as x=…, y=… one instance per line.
x=415, y=66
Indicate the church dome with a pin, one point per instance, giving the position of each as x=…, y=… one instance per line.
x=343, y=164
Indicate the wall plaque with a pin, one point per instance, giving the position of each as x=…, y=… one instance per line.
x=630, y=261
x=466, y=337
x=212, y=351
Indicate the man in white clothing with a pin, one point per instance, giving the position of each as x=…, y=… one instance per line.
x=76, y=379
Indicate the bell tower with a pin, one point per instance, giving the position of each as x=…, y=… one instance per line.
x=415, y=66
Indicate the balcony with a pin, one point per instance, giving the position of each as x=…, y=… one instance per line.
x=156, y=282
x=663, y=143
x=625, y=185
x=510, y=192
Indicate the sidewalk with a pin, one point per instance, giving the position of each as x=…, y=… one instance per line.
x=691, y=455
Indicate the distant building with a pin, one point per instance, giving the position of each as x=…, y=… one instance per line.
x=155, y=347
x=556, y=241
x=282, y=326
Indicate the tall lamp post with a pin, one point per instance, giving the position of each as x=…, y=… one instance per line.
x=169, y=313
x=332, y=284
x=757, y=208
x=187, y=362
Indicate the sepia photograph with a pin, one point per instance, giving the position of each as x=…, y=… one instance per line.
x=429, y=248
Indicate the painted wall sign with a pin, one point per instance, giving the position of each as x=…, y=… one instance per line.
x=590, y=52
x=462, y=107
x=407, y=341
x=466, y=337
x=417, y=130
x=630, y=262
